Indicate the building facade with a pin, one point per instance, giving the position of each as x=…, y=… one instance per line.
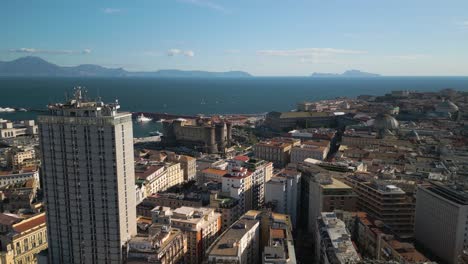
x=283, y=193
x=334, y=245
x=12, y=177
x=163, y=245
x=276, y=150
x=228, y=207
x=326, y=194
x=10, y=129
x=238, y=245
x=204, y=135
x=385, y=202
x=441, y=222
x=310, y=149
x=201, y=226
x=378, y=243
x=21, y=240
x=89, y=180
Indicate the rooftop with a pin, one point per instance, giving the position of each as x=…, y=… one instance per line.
x=144, y=172
x=228, y=243
x=30, y=223
x=241, y=158
x=340, y=239
x=336, y=184
x=8, y=219
x=80, y=106
x=453, y=193
x=215, y=171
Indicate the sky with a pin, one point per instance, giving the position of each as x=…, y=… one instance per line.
x=262, y=37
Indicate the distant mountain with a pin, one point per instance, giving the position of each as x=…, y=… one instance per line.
x=349, y=73
x=198, y=74
x=34, y=66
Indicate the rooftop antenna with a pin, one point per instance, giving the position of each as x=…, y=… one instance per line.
x=98, y=95
x=85, y=94
x=78, y=93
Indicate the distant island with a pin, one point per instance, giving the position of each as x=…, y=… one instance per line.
x=31, y=66
x=349, y=73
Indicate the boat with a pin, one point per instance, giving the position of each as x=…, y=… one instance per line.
x=7, y=109
x=142, y=118
x=155, y=133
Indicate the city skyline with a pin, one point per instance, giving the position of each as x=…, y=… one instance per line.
x=398, y=38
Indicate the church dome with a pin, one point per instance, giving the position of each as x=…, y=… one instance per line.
x=385, y=121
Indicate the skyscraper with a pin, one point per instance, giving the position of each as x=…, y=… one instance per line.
x=441, y=221
x=87, y=157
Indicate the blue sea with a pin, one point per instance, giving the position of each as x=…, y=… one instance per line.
x=206, y=96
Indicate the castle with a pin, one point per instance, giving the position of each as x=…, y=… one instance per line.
x=206, y=135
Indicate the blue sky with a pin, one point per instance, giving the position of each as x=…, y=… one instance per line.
x=263, y=37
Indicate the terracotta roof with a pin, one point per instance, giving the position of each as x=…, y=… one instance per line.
x=407, y=251
x=241, y=158
x=29, y=169
x=277, y=233
x=321, y=143
x=147, y=172
x=215, y=171
x=6, y=172
x=30, y=223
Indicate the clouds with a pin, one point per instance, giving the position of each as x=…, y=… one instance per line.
x=42, y=51
x=176, y=52
x=205, y=3
x=110, y=10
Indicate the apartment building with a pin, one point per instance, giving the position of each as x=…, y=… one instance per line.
x=201, y=226
x=276, y=150
x=385, y=202
x=21, y=240
x=89, y=180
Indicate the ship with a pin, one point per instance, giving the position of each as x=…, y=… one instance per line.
x=7, y=109
x=142, y=118
x=155, y=133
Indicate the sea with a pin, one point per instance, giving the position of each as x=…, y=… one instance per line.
x=193, y=96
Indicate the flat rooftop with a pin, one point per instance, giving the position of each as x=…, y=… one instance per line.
x=336, y=184
x=340, y=238
x=228, y=243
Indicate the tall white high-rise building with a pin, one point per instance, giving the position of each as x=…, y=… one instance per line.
x=283, y=192
x=87, y=157
x=441, y=221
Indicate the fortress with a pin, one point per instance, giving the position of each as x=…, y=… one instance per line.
x=206, y=135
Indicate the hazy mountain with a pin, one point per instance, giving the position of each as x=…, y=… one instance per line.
x=34, y=66
x=180, y=73
x=349, y=73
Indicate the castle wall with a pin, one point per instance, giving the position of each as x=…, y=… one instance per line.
x=213, y=139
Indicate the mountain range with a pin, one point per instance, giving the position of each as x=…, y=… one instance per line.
x=31, y=66
x=34, y=67
x=349, y=73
